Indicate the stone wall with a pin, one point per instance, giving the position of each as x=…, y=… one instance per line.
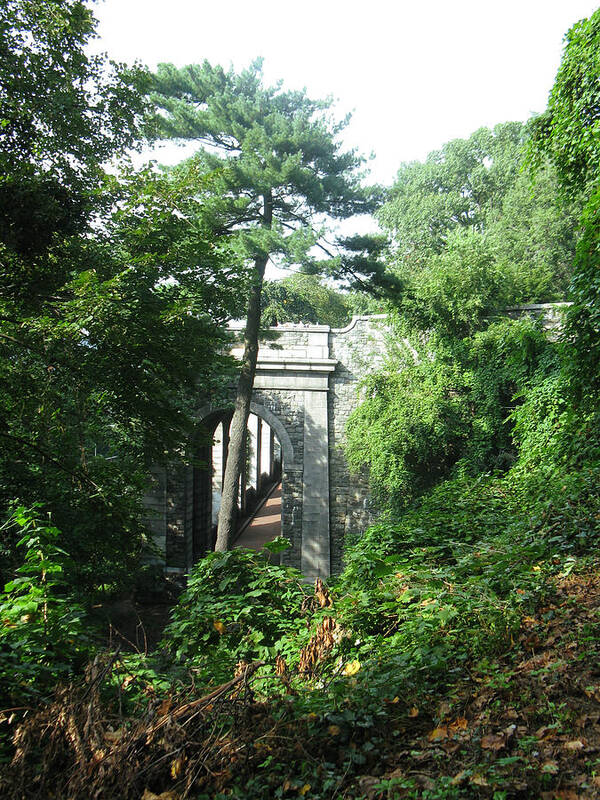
x=358, y=349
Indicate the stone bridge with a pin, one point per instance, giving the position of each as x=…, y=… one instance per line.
x=305, y=388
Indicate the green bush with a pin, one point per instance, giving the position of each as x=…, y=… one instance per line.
x=237, y=606
x=42, y=633
x=445, y=403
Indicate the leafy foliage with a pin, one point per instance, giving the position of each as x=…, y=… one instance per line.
x=470, y=213
x=567, y=134
x=236, y=607
x=42, y=633
x=444, y=403
x=111, y=294
x=303, y=298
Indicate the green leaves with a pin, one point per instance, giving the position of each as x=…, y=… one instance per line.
x=113, y=292
x=237, y=606
x=63, y=112
x=303, y=298
x=567, y=134
x=38, y=616
x=259, y=142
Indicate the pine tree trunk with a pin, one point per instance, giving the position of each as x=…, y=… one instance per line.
x=236, y=452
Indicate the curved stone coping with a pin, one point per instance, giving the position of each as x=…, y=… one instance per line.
x=309, y=327
x=238, y=325
x=359, y=318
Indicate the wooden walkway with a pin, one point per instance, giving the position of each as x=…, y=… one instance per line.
x=265, y=525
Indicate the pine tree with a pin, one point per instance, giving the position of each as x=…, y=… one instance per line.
x=273, y=171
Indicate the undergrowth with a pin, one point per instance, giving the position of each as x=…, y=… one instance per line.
x=320, y=677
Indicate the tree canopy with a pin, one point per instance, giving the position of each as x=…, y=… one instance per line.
x=568, y=134
x=304, y=298
x=111, y=291
x=474, y=193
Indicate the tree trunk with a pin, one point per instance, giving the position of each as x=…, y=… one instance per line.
x=236, y=452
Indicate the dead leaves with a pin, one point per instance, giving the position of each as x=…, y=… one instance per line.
x=319, y=646
x=322, y=594
x=458, y=726
x=498, y=741
x=148, y=795
x=593, y=692
x=575, y=746
x=437, y=734
x=177, y=766
x=292, y=786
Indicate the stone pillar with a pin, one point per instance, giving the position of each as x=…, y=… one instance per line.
x=217, y=470
x=258, y=454
x=155, y=512
x=243, y=479
x=316, y=560
x=252, y=434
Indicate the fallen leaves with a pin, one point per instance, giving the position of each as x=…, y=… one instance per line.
x=437, y=734
x=459, y=724
x=575, y=746
x=148, y=795
x=493, y=742
x=177, y=767
x=593, y=692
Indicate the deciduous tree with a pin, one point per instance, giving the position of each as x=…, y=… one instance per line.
x=111, y=290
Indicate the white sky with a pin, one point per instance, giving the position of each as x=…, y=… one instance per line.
x=415, y=75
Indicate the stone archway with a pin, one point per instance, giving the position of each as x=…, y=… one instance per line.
x=199, y=493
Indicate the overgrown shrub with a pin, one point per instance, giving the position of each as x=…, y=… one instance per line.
x=42, y=633
x=237, y=606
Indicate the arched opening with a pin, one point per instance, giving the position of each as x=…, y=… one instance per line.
x=260, y=477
